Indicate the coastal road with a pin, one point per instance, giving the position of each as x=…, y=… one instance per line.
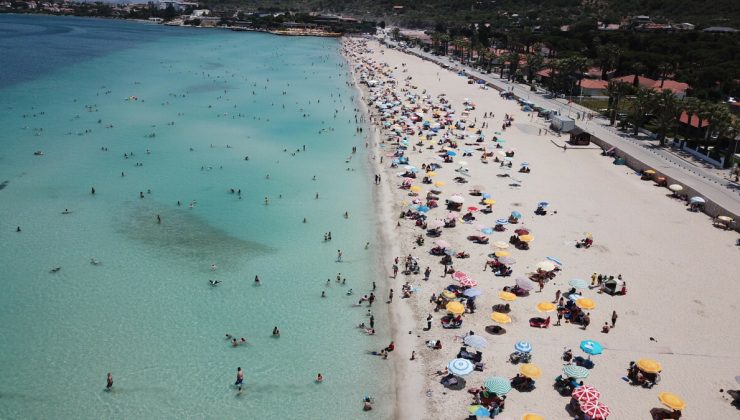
x=722, y=192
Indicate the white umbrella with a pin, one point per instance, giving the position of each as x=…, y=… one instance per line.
x=476, y=341
x=675, y=187
x=546, y=265
x=456, y=199
x=460, y=366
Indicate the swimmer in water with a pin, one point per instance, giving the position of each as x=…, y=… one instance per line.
x=319, y=378
x=213, y=267
x=214, y=283
x=275, y=332
x=256, y=279
x=349, y=292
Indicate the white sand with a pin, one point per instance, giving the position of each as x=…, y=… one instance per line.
x=682, y=273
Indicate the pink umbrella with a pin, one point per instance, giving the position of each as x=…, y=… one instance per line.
x=468, y=282
x=524, y=284
x=459, y=275
x=597, y=410
x=586, y=393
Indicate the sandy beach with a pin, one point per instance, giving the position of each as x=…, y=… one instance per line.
x=680, y=271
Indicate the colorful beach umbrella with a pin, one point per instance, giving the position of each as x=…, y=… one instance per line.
x=586, y=303
x=460, y=366
x=578, y=283
x=546, y=307
x=506, y=296
x=585, y=393
x=468, y=282
x=530, y=370
x=596, y=410
x=591, y=347
x=498, y=385
x=456, y=308
x=500, y=318
x=523, y=346
x=575, y=371
x=475, y=341
x=649, y=366
x=672, y=400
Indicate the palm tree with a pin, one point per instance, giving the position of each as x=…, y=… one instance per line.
x=641, y=105
x=608, y=58
x=691, y=108
x=665, y=69
x=533, y=65
x=731, y=134
x=667, y=111
x=444, y=40
x=513, y=59
x=616, y=90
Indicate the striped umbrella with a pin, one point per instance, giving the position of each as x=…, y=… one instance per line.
x=578, y=283
x=497, y=384
x=468, y=282
x=523, y=346
x=596, y=410
x=575, y=372
x=586, y=393
x=476, y=341
x=460, y=366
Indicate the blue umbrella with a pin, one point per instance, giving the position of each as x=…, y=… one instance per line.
x=460, y=366
x=525, y=164
x=591, y=347
x=515, y=214
x=472, y=292
x=414, y=207
x=481, y=82
x=543, y=204
x=486, y=231
x=502, y=221
x=578, y=283
x=451, y=153
x=482, y=412
x=486, y=195
x=423, y=209
x=523, y=346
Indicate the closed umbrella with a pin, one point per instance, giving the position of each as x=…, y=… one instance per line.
x=649, y=366
x=524, y=284
x=585, y=393
x=498, y=385
x=456, y=308
x=475, y=341
x=672, y=400
x=586, y=303
x=460, y=366
x=523, y=346
x=596, y=410
x=508, y=296
x=472, y=292
x=578, y=283
x=546, y=307
x=591, y=347
x=530, y=370
x=500, y=318
x=575, y=371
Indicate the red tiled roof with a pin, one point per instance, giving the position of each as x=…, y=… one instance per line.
x=672, y=85
x=594, y=84
x=684, y=119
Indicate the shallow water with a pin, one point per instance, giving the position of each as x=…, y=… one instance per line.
x=146, y=313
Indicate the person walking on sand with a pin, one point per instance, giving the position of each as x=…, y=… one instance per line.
x=395, y=270
x=614, y=318
x=429, y=322
x=541, y=282
x=109, y=384
x=390, y=296
x=427, y=273
x=557, y=296
x=239, y=378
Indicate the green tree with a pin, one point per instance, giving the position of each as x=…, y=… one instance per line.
x=608, y=58
x=642, y=103
x=667, y=110
x=534, y=63
x=616, y=91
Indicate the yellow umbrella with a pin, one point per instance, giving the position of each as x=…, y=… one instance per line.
x=448, y=294
x=586, y=303
x=502, y=253
x=530, y=370
x=431, y=173
x=506, y=296
x=671, y=400
x=415, y=188
x=649, y=172
x=546, y=307
x=532, y=416
x=500, y=318
x=489, y=201
x=439, y=184
x=649, y=366
x=526, y=238
x=456, y=308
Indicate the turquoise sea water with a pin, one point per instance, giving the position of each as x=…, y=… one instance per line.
x=147, y=313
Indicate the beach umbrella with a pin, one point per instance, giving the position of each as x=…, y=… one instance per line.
x=649, y=366
x=448, y=294
x=502, y=221
x=502, y=253
x=423, y=209
x=468, y=282
x=586, y=303
x=472, y=208
x=498, y=385
x=524, y=283
x=649, y=172
x=487, y=230
x=530, y=370
x=585, y=393
x=546, y=307
x=486, y=195
x=479, y=411
x=441, y=242
x=523, y=346
x=476, y=341
x=462, y=163
x=578, y=283
x=546, y=266
x=575, y=371
x=431, y=174
x=501, y=244
x=522, y=231
x=508, y=296
x=724, y=218
x=500, y=318
x=672, y=400
x=456, y=199
x=507, y=260
x=515, y=214
x=526, y=238
x=451, y=153
x=460, y=366
x=439, y=184
x=591, y=347
x=456, y=308
x=543, y=204
x=459, y=275
x=489, y=201
x=415, y=188
x=697, y=200
x=532, y=416
x=472, y=292
x=675, y=187
x=596, y=410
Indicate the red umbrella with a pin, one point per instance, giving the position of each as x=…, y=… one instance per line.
x=521, y=232
x=472, y=208
x=460, y=276
x=597, y=410
x=586, y=393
